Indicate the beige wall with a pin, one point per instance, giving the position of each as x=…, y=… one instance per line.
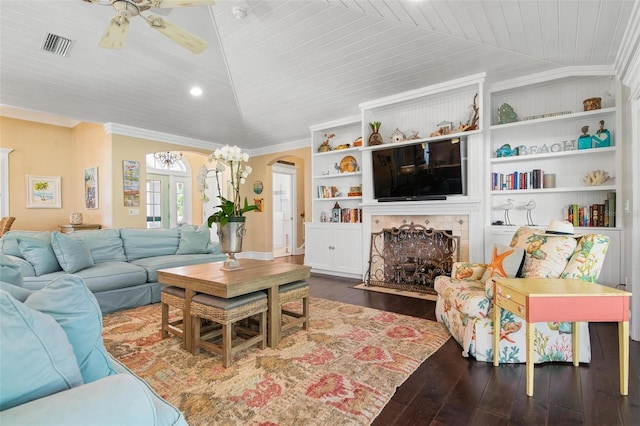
x=42, y=150
x=259, y=229
x=49, y=150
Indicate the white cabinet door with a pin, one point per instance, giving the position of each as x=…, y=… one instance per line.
x=334, y=249
x=317, y=253
x=347, y=250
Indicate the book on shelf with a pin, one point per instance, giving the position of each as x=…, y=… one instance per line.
x=327, y=191
x=517, y=180
x=351, y=215
x=597, y=214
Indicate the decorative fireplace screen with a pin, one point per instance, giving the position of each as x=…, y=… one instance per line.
x=410, y=257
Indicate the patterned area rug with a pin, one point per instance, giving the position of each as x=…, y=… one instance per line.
x=342, y=371
x=406, y=293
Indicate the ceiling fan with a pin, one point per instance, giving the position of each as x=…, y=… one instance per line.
x=116, y=32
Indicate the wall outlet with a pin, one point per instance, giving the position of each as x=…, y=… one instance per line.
x=134, y=212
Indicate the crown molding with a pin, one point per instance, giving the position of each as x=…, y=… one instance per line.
x=554, y=74
x=137, y=132
x=37, y=116
x=287, y=146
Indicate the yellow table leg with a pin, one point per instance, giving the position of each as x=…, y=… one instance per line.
x=575, y=341
x=623, y=349
x=496, y=335
x=531, y=337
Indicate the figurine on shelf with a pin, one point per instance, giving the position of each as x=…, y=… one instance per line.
x=584, y=141
x=324, y=146
x=602, y=137
x=375, y=138
x=335, y=213
x=506, y=114
x=413, y=135
x=472, y=124
x=397, y=136
x=444, y=128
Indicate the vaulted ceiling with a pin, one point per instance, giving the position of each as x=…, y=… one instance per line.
x=288, y=64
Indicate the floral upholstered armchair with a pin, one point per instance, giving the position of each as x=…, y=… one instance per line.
x=465, y=299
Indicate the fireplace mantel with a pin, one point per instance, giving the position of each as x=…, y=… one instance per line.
x=453, y=205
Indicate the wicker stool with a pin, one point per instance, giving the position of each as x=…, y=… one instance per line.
x=174, y=297
x=227, y=312
x=288, y=293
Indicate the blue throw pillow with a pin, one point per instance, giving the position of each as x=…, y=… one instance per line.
x=105, y=244
x=75, y=308
x=73, y=255
x=195, y=242
x=36, y=358
x=40, y=254
x=141, y=243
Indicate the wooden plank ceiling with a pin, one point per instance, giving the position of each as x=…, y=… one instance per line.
x=288, y=64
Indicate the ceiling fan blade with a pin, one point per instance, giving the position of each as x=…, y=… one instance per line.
x=116, y=33
x=177, y=34
x=180, y=3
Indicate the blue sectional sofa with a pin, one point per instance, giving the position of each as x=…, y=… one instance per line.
x=54, y=369
x=119, y=266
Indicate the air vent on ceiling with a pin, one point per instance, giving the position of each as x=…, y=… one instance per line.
x=56, y=44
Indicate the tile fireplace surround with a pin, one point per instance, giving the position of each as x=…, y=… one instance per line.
x=463, y=217
x=458, y=224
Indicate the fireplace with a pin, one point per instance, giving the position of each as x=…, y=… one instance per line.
x=409, y=257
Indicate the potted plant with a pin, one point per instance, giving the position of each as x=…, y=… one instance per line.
x=229, y=216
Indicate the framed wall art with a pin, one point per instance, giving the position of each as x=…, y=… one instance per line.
x=258, y=203
x=131, y=176
x=43, y=192
x=91, y=187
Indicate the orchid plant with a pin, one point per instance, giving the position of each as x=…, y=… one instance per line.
x=230, y=208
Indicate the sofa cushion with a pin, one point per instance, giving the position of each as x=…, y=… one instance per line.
x=117, y=400
x=467, y=297
x=74, y=307
x=467, y=270
x=73, y=255
x=100, y=277
x=195, y=241
x=9, y=240
x=18, y=293
x=152, y=264
x=588, y=258
x=546, y=255
x=36, y=358
x=505, y=262
x=10, y=271
x=141, y=243
x=39, y=253
x=105, y=244
x=26, y=269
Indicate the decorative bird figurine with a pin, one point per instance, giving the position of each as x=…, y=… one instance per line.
x=528, y=207
x=337, y=166
x=506, y=207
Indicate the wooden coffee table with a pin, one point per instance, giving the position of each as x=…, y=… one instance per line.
x=255, y=275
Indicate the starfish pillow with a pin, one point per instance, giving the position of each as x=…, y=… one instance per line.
x=505, y=262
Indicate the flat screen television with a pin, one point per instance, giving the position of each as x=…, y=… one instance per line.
x=421, y=171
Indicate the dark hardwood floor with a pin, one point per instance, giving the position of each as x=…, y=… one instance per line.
x=448, y=389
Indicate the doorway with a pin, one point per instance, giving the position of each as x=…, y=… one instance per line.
x=284, y=209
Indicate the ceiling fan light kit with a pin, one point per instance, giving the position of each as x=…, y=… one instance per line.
x=116, y=32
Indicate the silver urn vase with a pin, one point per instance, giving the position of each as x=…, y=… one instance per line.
x=230, y=236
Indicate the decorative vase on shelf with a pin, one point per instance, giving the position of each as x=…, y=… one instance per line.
x=230, y=236
x=375, y=138
x=75, y=219
x=584, y=141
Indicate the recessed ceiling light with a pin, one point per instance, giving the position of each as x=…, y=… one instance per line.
x=196, y=91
